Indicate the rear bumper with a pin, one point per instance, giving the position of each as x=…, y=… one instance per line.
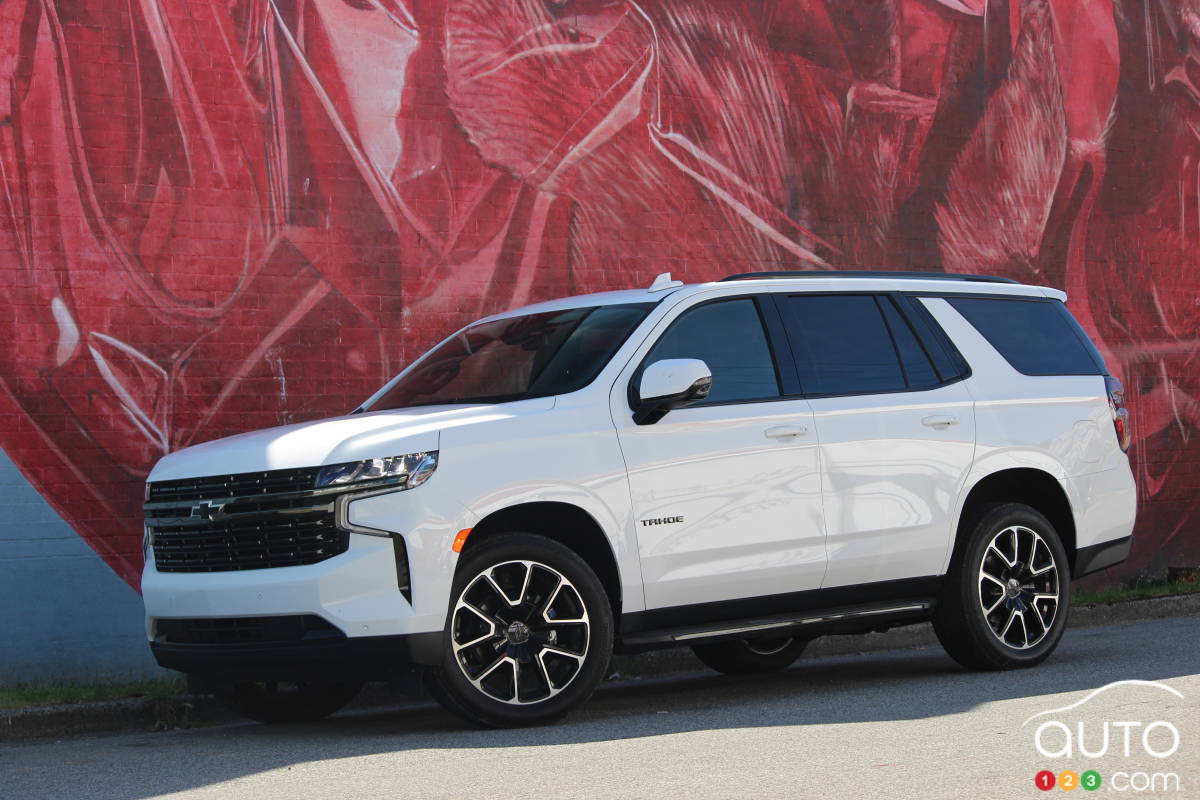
x=365, y=657
x=1101, y=556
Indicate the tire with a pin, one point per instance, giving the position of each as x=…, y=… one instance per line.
x=510, y=664
x=280, y=701
x=1005, y=602
x=750, y=656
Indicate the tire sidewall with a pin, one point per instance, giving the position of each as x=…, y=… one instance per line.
x=977, y=626
x=530, y=547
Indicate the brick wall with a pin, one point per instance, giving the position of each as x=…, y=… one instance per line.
x=218, y=216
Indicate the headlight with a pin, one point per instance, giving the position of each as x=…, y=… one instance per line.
x=403, y=472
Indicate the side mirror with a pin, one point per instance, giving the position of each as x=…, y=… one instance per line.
x=668, y=384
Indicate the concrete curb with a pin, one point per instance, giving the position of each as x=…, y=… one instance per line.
x=106, y=716
x=43, y=722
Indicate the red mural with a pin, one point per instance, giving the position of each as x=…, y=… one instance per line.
x=227, y=214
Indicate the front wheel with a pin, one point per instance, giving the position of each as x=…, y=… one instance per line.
x=1006, y=598
x=528, y=635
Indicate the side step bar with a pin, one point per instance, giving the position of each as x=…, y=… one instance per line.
x=814, y=623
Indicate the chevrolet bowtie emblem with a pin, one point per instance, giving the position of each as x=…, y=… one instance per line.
x=206, y=510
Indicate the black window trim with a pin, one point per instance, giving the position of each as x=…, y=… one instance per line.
x=906, y=313
x=787, y=373
x=760, y=305
x=929, y=332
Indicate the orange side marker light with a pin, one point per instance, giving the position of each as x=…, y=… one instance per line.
x=460, y=540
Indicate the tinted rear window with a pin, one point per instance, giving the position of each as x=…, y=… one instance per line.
x=1037, y=337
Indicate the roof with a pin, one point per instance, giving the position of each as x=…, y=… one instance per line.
x=812, y=281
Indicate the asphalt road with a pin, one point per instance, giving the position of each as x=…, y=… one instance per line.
x=900, y=724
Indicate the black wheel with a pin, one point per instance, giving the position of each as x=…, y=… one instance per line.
x=528, y=635
x=1005, y=601
x=291, y=701
x=750, y=656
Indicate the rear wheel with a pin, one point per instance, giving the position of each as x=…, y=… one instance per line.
x=750, y=656
x=529, y=634
x=291, y=701
x=1005, y=601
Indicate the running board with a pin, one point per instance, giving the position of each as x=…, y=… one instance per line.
x=814, y=623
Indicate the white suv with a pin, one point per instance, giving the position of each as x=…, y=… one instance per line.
x=737, y=467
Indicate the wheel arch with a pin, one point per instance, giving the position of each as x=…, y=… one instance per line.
x=565, y=523
x=1031, y=486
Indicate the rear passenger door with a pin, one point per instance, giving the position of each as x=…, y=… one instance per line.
x=895, y=425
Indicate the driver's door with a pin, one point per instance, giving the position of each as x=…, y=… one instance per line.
x=726, y=492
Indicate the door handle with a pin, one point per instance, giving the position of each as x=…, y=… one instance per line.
x=940, y=421
x=785, y=432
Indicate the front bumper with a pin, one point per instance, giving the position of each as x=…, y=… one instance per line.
x=359, y=592
x=364, y=658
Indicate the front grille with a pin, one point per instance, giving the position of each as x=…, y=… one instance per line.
x=254, y=520
x=239, y=485
x=245, y=630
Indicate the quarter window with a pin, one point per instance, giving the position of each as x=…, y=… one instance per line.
x=728, y=336
x=1037, y=337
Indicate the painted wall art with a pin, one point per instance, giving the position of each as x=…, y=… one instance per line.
x=220, y=215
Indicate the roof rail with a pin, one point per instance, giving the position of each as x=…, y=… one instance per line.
x=869, y=273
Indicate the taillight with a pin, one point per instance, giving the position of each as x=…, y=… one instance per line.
x=1120, y=414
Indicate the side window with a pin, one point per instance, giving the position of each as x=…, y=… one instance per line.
x=1037, y=337
x=917, y=367
x=728, y=336
x=946, y=358
x=842, y=344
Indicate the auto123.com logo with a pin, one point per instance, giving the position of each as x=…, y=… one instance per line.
x=1079, y=738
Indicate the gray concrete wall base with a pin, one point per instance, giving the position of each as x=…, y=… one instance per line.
x=64, y=615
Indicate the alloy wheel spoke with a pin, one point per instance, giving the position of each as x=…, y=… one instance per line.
x=1041, y=570
x=1007, y=561
x=487, y=576
x=477, y=640
x=541, y=660
x=581, y=619
x=488, y=668
x=551, y=596
x=992, y=578
x=512, y=662
x=1011, y=616
x=1041, y=618
x=479, y=612
x=549, y=648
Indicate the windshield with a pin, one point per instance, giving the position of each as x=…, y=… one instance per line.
x=517, y=358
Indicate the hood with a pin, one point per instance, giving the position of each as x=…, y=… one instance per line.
x=332, y=441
